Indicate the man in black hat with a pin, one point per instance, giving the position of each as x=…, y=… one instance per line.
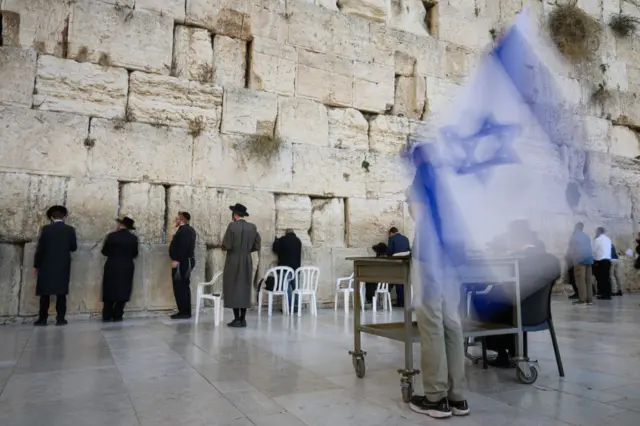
x=183, y=260
x=240, y=240
x=288, y=248
x=120, y=248
x=52, y=264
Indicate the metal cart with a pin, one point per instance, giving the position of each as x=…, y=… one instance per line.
x=397, y=270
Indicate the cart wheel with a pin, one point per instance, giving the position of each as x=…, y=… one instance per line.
x=407, y=393
x=533, y=375
x=358, y=364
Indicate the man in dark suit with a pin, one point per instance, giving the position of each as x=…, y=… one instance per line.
x=120, y=248
x=397, y=243
x=288, y=248
x=52, y=264
x=183, y=260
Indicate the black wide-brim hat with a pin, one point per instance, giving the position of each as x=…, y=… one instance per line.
x=56, y=209
x=380, y=247
x=127, y=222
x=239, y=209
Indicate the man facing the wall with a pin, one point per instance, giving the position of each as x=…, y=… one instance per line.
x=183, y=260
x=397, y=243
x=602, y=264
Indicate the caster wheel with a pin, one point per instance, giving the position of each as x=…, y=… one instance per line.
x=407, y=393
x=533, y=375
x=360, y=368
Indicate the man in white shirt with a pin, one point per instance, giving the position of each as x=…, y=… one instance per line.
x=602, y=264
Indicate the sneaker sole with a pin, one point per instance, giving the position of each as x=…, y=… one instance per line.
x=431, y=413
x=459, y=413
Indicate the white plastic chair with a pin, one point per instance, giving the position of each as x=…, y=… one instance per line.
x=383, y=289
x=282, y=275
x=215, y=295
x=346, y=292
x=306, y=285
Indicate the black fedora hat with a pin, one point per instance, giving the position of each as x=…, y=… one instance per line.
x=379, y=248
x=57, y=209
x=127, y=222
x=239, y=209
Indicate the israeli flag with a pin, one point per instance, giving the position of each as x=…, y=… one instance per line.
x=496, y=158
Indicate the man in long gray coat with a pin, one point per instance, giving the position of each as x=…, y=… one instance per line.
x=240, y=239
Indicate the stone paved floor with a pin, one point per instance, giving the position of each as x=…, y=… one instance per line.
x=291, y=372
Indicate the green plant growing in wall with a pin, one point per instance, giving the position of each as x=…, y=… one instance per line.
x=263, y=147
x=623, y=25
x=366, y=165
x=574, y=32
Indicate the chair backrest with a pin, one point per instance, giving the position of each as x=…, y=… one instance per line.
x=349, y=280
x=307, y=278
x=216, y=283
x=281, y=276
x=383, y=287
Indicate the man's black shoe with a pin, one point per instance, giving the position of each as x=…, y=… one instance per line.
x=40, y=323
x=574, y=296
x=62, y=322
x=619, y=293
x=236, y=323
x=604, y=298
x=179, y=316
x=243, y=323
x=437, y=410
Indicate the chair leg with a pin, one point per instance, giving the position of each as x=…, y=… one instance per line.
x=346, y=302
x=556, y=349
x=313, y=305
x=299, y=304
x=485, y=362
x=375, y=302
x=335, y=301
x=389, y=302
x=270, y=308
x=198, y=301
x=216, y=313
x=260, y=303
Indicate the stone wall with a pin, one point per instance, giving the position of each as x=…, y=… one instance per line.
x=297, y=109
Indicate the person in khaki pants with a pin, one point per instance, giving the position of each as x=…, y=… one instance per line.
x=581, y=253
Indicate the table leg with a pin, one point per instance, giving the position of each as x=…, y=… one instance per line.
x=357, y=353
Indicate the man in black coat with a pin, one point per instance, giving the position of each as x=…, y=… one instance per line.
x=52, y=264
x=120, y=248
x=183, y=260
x=288, y=248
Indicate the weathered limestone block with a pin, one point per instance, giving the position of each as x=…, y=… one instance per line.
x=214, y=263
x=261, y=207
x=81, y=88
x=309, y=27
x=302, y=121
x=624, y=142
x=328, y=4
x=440, y=97
x=230, y=160
x=629, y=109
x=23, y=24
x=405, y=64
x=373, y=10
x=10, y=267
x=294, y=211
x=388, y=177
x=410, y=97
x=227, y=17
x=270, y=21
x=172, y=8
x=329, y=79
x=17, y=73
x=350, y=38
x=388, y=134
x=348, y=129
x=607, y=201
x=408, y=15
x=123, y=151
x=93, y=207
x=42, y=141
x=102, y=33
x=373, y=87
x=369, y=220
x=173, y=101
x=144, y=203
x=327, y=222
x=328, y=171
x=466, y=32
x=229, y=61
x=273, y=66
x=249, y=112
x=624, y=171
x=192, y=58
x=205, y=207
x=598, y=133
x=616, y=76
x=458, y=62
x=600, y=168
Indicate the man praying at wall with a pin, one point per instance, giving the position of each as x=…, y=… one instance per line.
x=183, y=260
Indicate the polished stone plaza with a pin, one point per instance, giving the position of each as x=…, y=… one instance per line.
x=295, y=372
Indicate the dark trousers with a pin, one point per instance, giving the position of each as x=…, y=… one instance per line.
x=602, y=272
x=399, y=294
x=181, y=290
x=113, y=310
x=61, y=306
x=572, y=280
x=370, y=291
x=239, y=314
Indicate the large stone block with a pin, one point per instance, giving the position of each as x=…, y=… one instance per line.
x=234, y=160
x=302, y=121
x=599, y=166
x=122, y=151
x=606, y=201
x=205, y=207
x=17, y=74
x=93, y=207
x=229, y=62
x=348, y=129
x=249, y=112
x=145, y=203
x=373, y=87
x=309, y=27
x=475, y=34
x=294, y=211
x=388, y=134
x=10, y=268
x=227, y=17
x=440, y=97
x=598, y=133
x=192, y=53
x=81, y=88
x=40, y=141
x=173, y=101
x=369, y=220
x=388, y=177
x=327, y=222
x=350, y=38
x=172, y=8
x=23, y=24
x=328, y=171
x=103, y=33
x=270, y=21
x=408, y=15
x=410, y=97
x=329, y=79
x=624, y=142
x=261, y=207
x=458, y=62
x=273, y=66
x=372, y=10
x=624, y=171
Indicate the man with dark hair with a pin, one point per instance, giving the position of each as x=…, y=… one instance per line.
x=288, y=248
x=52, y=264
x=397, y=243
x=602, y=263
x=183, y=260
x=581, y=257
